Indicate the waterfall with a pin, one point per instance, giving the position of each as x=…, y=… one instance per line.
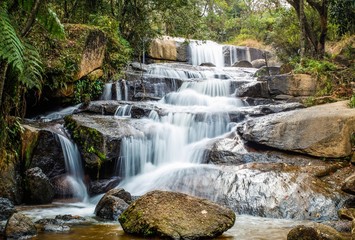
x=206, y=52
x=123, y=111
x=74, y=167
x=121, y=90
x=107, y=92
x=173, y=144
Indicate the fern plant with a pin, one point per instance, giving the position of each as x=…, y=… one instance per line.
x=11, y=46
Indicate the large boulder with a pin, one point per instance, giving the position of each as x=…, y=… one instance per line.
x=7, y=208
x=253, y=89
x=322, y=131
x=294, y=85
x=177, y=216
x=19, y=226
x=112, y=204
x=168, y=48
x=43, y=151
x=99, y=140
x=38, y=187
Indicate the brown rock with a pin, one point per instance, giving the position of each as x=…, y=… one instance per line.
x=19, y=226
x=177, y=216
x=316, y=232
x=94, y=53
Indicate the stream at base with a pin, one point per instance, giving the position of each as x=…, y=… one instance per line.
x=245, y=228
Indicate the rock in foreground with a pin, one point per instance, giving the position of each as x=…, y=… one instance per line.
x=177, y=216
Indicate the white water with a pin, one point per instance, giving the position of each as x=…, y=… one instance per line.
x=74, y=168
x=206, y=52
x=59, y=114
x=173, y=143
x=107, y=92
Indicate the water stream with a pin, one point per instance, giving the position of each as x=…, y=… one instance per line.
x=74, y=168
x=169, y=154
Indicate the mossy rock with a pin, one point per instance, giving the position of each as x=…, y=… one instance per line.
x=176, y=215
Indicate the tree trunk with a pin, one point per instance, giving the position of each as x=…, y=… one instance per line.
x=3, y=69
x=303, y=30
x=31, y=18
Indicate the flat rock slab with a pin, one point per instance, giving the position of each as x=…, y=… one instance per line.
x=177, y=216
x=321, y=131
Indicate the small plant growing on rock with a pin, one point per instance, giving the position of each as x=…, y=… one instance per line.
x=352, y=101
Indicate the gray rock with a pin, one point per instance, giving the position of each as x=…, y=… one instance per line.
x=177, y=216
x=7, y=208
x=39, y=188
x=20, y=226
x=258, y=63
x=254, y=90
x=243, y=63
x=48, y=155
x=103, y=185
x=322, y=131
x=112, y=204
x=104, y=135
x=267, y=71
x=52, y=225
x=55, y=228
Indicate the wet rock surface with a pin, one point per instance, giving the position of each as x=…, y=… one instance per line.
x=103, y=185
x=177, y=216
x=38, y=187
x=19, y=226
x=7, y=208
x=112, y=204
x=99, y=137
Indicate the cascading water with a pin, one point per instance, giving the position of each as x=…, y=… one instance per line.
x=206, y=52
x=107, y=92
x=173, y=143
x=74, y=168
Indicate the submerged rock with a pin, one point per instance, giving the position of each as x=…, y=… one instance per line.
x=7, y=208
x=317, y=232
x=177, y=216
x=112, y=204
x=52, y=225
x=20, y=226
x=322, y=131
x=39, y=188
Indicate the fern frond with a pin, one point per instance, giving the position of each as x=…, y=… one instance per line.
x=50, y=21
x=11, y=47
x=31, y=77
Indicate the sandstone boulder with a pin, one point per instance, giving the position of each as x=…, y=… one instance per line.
x=112, y=204
x=295, y=85
x=38, y=187
x=322, y=131
x=349, y=185
x=177, y=216
x=168, y=48
x=20, y=226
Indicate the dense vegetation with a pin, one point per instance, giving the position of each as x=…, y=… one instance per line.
x=298, y=30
